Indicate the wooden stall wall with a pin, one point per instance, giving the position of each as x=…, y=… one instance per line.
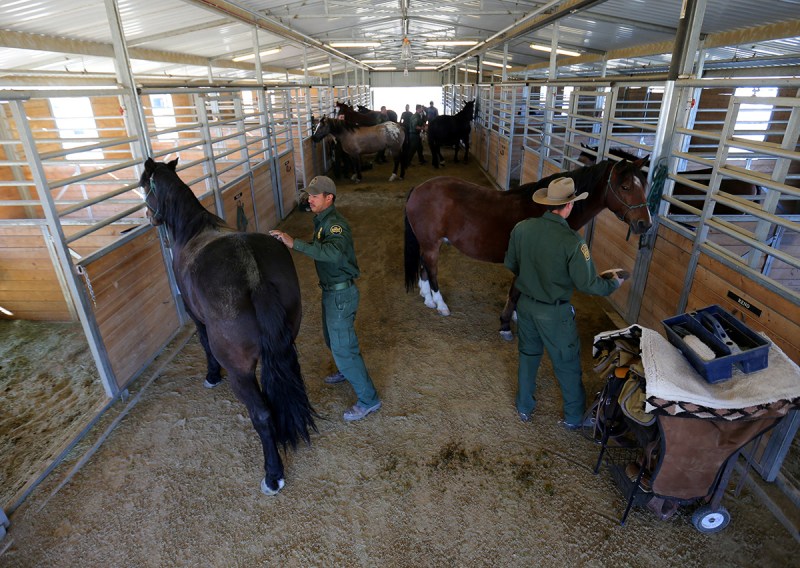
x=237, y=204
x=662, y=291
x=612, y=247
x=530, y=167
x=30, y=287
x=313, y=159
x=266, y=209
x=288, y=182
x=133, y=304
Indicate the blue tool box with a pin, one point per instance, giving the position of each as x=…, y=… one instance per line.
x=732, y=342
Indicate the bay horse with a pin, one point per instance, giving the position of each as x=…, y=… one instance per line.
x=351, y=116
x=446, y=130
x=689, y=194
x=390, y=114
x=358, y=140
x=478, y=220
x=242, y=292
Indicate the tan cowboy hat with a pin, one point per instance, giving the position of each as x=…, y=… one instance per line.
x=560, y=192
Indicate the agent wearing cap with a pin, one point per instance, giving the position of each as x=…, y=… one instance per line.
x=335, y=261
x=550, y=260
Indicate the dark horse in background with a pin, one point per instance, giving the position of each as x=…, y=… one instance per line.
x=242, y=292
x=358, y=140
x=446, y=130
x=353, y=117
x=684, y=192
x=478, y=220
x=390, y=114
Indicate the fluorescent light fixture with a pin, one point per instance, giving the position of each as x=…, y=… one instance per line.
x=433, y=61
x=451, y=42
x=467, y=70
x=355, y=44
x=262, y=54
x=376, y=61
x=323, y=66
x=424, y=68
x=496, y=55
x=493, y=64
x=539, y=47
x=386, y=69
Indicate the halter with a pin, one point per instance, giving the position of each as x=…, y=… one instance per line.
x=154, y=212
x=615, y=193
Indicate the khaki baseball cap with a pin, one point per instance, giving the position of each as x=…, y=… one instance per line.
x=321, y=184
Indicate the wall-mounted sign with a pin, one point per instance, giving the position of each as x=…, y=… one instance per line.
x=744, y=303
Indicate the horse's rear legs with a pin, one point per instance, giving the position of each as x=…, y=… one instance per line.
x=429, y=283
x=246, y=389
x=508, y=311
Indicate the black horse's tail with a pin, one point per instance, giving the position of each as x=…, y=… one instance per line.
x=281, y=380
x=411, y=253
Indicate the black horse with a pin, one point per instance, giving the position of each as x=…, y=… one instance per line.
x=446, y=130
x=242, y=292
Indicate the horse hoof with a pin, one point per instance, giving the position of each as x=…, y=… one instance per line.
x=445, y=311
x=267, y=490
x=430, y=304
x=506, y=334
x=392, y=177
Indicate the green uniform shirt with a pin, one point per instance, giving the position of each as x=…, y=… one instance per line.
x=550, y=260
x=331, y=248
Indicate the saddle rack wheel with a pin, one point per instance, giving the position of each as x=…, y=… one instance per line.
x=708, y=521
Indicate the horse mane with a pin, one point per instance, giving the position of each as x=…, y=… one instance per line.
x=466, y=110
x=338, y=125
x=585, y=179
x=182, y=212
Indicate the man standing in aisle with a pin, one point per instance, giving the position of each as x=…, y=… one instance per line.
x=418, y=122
x=550, y=260
x=335, y=260
x=432, y=112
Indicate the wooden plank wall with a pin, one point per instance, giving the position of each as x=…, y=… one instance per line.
x=236, y=196
x=288, y=182
x=310, y=152
x=134, y=308
x=665, y=278
x=611, y=248
x=29, y=285
x=266, y=209
x=502, y=159
x=492, y=142
x=530, y=167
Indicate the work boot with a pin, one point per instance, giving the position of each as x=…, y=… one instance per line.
x=588, y=422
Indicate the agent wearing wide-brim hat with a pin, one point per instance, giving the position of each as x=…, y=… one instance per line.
x=550, y=260
x=334, y=257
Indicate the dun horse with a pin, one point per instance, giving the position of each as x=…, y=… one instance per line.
x=478, y=220
x=358, y=140
x=446, y=130
x=242, y=292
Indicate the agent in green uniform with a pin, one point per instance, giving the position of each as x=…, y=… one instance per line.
x=335, y=261
x=550, y=260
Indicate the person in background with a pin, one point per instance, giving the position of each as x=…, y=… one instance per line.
x=432, y=112
x=418, y=122
x=405, y=121
x=335, y=260
x=550, y=260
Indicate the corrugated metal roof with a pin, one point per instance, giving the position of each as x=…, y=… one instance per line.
x=186, y=38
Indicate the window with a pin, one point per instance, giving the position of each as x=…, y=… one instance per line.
x=753, y=118
x=163, y=115
x=74, y=119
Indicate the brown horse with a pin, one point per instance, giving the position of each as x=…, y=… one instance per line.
x=478, y=220
x=358, y=140
x=689, y=195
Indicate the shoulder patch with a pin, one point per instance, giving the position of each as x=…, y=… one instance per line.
x=336, y=229
x=585, y=251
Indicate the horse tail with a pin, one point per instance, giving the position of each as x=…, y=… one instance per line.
x=411, y=252
x=281, y=380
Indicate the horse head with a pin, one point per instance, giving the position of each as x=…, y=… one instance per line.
x=588, y=155
x=321, y=129
x=147, y=182
x=626, y=194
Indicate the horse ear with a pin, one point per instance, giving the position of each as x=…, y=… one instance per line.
x=641, y=162
x=149, y=165
x=173, y=165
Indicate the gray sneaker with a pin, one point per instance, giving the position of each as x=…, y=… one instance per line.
x=357, y=412
x=336, y=377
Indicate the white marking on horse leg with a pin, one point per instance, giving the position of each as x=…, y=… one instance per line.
x=514, y=315
x=354, y=178
x=441, y=307
x=267, y=491
x=425, y=292
x=508, y=335
x=392, y=177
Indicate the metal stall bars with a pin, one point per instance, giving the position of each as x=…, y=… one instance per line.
x=506, y=134
x=737, y=200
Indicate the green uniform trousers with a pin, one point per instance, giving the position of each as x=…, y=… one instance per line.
x=338, y=321
x=553, y=327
